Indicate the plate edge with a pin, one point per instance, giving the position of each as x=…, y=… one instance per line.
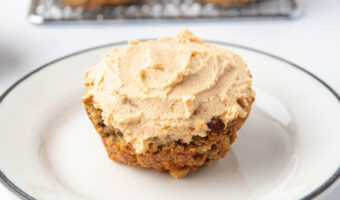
x=23, y=195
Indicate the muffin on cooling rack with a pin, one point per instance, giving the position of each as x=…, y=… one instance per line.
x=100, y=3
x=96, y=3
x=172, y=104
x=227, y=3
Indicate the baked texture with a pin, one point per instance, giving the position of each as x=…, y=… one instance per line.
x=176, y=157
x=168, y=88
x=93, y=4
x=227, y=3
x=173, y=104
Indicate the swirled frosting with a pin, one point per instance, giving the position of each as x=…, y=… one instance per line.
x=168, y=89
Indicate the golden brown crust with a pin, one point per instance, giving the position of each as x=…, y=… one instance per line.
x=92, y=4
x=178, y=158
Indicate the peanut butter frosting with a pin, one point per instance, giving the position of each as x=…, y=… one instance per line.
x=168, y=89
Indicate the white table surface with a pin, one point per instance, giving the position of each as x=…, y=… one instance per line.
x=311, y=41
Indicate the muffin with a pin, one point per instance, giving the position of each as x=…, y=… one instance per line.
x=227, y=3
x=172, y=104
x=92, y=4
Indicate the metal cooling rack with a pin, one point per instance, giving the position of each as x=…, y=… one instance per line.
x=46, y=11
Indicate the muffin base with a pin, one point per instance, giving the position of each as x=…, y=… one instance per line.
x=176, y=157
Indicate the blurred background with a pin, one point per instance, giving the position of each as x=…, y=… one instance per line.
x=305, y=32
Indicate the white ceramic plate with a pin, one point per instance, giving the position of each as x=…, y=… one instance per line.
x=288, y=149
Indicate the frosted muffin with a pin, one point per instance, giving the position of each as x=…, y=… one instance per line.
x=92, y=4
x=227, y=3
x=172, y=104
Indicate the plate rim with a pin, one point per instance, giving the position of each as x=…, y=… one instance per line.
x=23, y=195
